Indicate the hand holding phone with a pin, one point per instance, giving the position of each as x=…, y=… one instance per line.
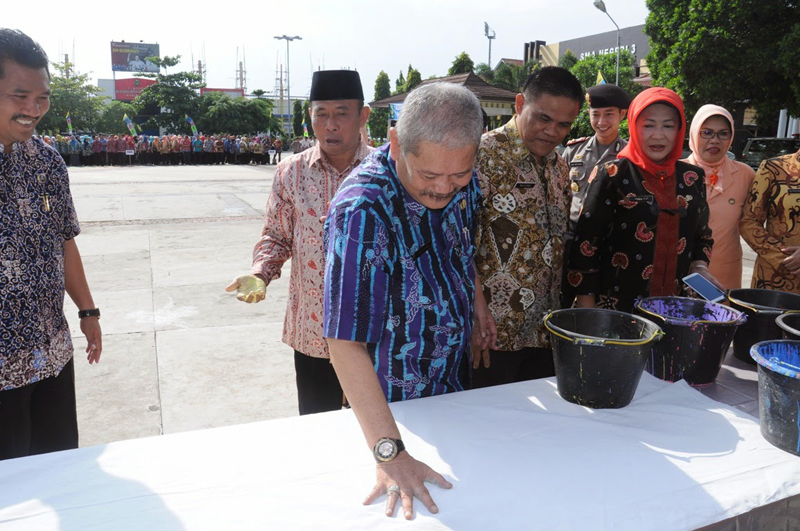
x=703, y=287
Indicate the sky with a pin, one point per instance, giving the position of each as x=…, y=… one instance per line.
x=356, y=34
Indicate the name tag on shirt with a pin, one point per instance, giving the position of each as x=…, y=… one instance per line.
x=641, y=198
x=575, y=164
x=526, y=185
x=794, y=190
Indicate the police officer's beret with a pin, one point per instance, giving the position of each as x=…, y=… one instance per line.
x=607, y=95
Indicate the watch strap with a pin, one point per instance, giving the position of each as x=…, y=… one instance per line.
x=94, y=312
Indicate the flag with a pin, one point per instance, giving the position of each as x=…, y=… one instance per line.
x=130, y=125
x=69, y=124
x=191, y=123
x=305, y=129
x=600, y=79
x=394, y=110
x=369, y=133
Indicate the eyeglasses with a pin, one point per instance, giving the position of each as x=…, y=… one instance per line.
x=708, y=134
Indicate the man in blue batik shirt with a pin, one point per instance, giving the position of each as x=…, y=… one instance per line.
x=400, y=283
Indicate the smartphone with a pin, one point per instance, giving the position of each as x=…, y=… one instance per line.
x=703, y=287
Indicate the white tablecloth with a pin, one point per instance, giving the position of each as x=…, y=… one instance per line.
x=519, y=456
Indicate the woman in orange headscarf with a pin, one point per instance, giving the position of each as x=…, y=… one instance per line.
x=727, y=184
x=644, y=222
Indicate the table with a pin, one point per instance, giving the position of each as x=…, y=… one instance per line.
x=519, y=456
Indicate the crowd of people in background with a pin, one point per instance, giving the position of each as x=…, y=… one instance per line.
x=170, y=150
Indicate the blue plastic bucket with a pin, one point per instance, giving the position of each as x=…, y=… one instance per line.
x=697, y=335
x=779, y=392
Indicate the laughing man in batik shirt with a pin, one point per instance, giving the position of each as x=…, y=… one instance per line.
x=39, y=260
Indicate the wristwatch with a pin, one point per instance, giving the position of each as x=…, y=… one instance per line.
x=387, y=449
x=95, y=312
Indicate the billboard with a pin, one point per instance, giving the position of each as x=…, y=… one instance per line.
x=127, y=89
x=132, y=57
x=232, y=92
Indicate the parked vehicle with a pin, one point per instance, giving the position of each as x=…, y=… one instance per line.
x=759, y=149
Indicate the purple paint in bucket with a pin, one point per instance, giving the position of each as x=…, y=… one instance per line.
x=697, y=335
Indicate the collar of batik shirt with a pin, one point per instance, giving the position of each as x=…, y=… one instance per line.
x=18, y=146
x=519, y=151
x=317, y=157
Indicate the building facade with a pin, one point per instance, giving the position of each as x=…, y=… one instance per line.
x=632, y=39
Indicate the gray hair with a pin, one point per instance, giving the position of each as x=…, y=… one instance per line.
x=441, y=113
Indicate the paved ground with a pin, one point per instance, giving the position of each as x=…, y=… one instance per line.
x=159, y=246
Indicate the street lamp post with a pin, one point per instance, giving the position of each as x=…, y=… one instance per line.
x=599, y=4
x=288, y=92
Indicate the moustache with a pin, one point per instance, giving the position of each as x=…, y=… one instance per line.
x=439, y=197
x=24, y=117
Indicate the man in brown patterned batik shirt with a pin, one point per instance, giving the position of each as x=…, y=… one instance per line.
x=522, y=226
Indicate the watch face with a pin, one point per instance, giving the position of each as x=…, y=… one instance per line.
x=386, y=449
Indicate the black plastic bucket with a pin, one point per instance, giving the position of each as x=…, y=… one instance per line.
x=599, y=354
x=779, y=392
x=697, y=335
x=762, y=307
x=789, y=322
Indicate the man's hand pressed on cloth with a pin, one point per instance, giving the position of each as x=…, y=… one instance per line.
x=353, y=366
x=410, y=475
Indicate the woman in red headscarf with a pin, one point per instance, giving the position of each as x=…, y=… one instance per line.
x=644, y=222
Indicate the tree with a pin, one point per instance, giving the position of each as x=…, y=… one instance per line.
x=175, y=94
x=513, y=77
x=586, y=71
x=259, y=93
x=789, y=59
x=400, y=84
x=71, y=93
x=307, y=118
x=461, y=65
x=733, y=54
x=297, y=118
x=413, y=78
x=220, y=113
x=484, y=71
x=111, y=119
x=379, y=118
x=568, y=60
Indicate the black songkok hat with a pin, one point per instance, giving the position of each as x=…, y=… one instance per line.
x=336, y=85
x=607, y=95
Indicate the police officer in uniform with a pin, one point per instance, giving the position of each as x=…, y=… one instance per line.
x=608, y=106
